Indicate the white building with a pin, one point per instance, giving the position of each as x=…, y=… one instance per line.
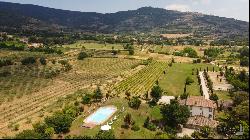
x=165, y=99
x=199, y=106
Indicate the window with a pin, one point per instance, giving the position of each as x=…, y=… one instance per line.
x=201, y=108
x=210, y=116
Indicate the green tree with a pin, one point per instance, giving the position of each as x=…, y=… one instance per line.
x=146, y=122
x=60, y=122
x=71, y=110
x=205, y=131
x=105, y=135
x=80, y=137
x=239, y=97
x=174, y=113
x=244, y=61
x=214, y=97
x=135, y=103
x=156, y=93
x=97, y=94
x=212, y=52
x=241, y=111
x=244, y=52
x=191, y=52
x=127, y=120
x=128, y=95
x=28, y=134
x=86, y=99
x=49, y=132
x=184, y=96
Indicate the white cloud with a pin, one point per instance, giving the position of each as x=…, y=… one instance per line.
x=203, y=2
x=178, y=7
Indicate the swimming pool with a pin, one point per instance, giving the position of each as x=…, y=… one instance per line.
x=101, y=115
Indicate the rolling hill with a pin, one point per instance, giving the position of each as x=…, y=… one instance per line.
x=16, y=17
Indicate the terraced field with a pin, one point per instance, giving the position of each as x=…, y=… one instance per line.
x=99, y=69
x=142, y=81
x=22, y=80
x=84, y=74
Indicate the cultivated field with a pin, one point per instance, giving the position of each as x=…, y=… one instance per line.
x=93, y=45
x=85, y=74
x=142, y=81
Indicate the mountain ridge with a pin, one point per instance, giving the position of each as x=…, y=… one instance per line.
x=145, y=19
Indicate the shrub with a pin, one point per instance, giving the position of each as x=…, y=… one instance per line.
x=97, y=94
x=28, y=134
x=170, y=130
x=151, y=127
x=5, y=62
x=82, y=55
x=198, y=61
x=5, y=73
x=135, y=103
x=43, y=61
x=16, y=127
x=196, y=135
x=28, y=60
x=135, y=128
x=86, y=99
x=205, y=131
x=212, y=52
x=214, y=97
x=244, y=61
x=189, y=80
x=105, y=135
x=184, y=96
x=131, y=52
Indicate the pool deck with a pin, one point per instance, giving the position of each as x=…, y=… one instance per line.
x=93, y=124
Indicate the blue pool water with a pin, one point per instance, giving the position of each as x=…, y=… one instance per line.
x=101, y=115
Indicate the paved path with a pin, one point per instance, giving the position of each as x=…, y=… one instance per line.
x=186, y=131
x=204, y=87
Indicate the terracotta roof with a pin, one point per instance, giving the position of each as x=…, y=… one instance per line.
x=198, y=101
x=202, y=121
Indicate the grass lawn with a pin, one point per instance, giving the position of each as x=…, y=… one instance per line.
x=174, y=81
x=223, y=95
x=138, y=116
x=97, y=46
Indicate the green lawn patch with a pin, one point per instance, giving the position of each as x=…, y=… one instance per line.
x=96, y=46
x=223, y=95
x=139, y=116
x=173, y=81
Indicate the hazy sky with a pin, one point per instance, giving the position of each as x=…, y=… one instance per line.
x=238, y=9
